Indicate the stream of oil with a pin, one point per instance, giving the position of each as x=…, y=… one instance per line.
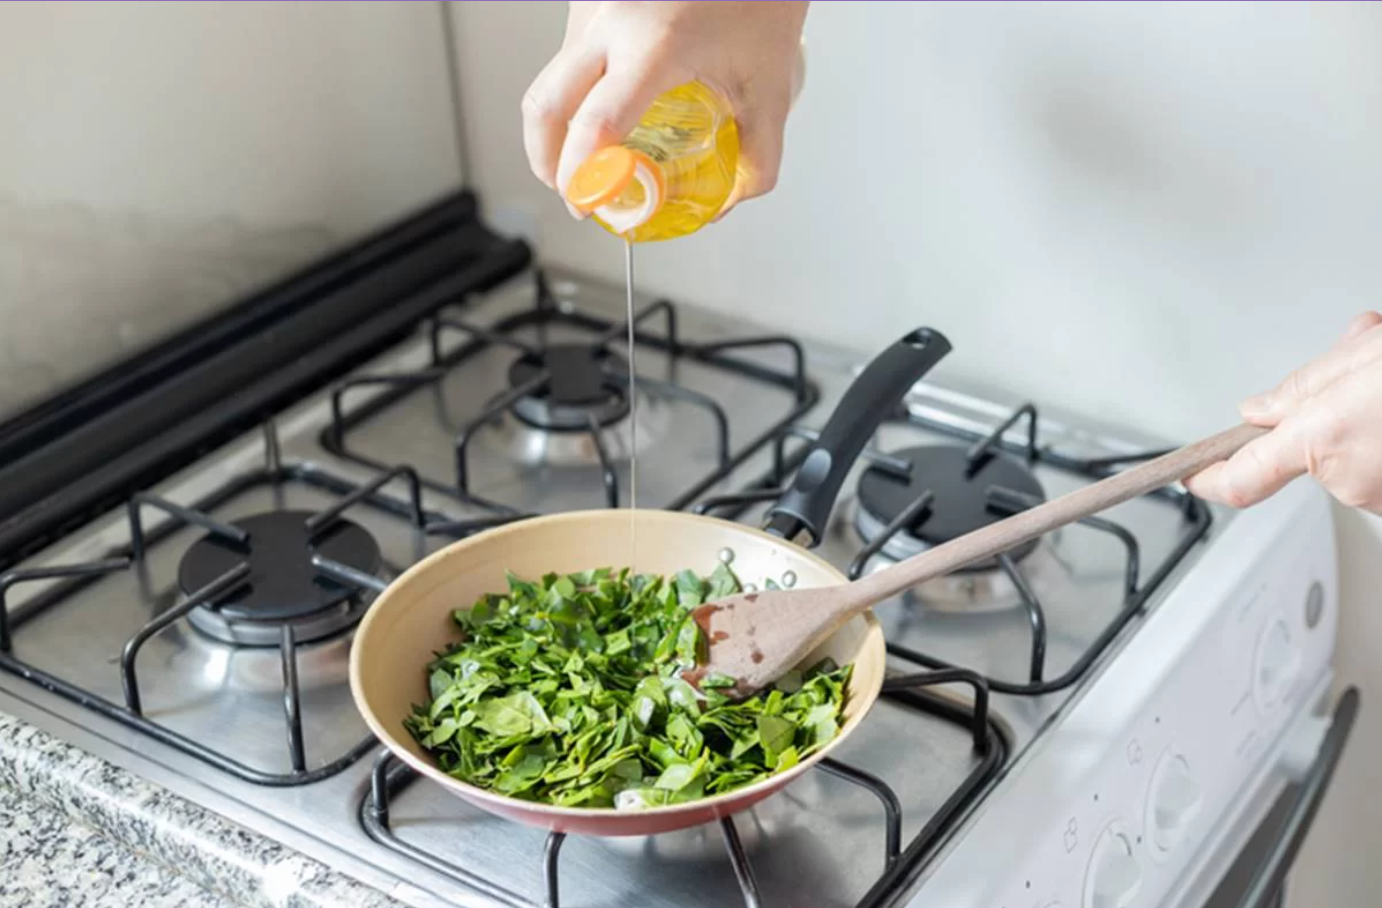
x=633, y=407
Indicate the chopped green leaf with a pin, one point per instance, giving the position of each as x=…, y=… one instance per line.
x=723, y=582
x=775, y=734
x=524, y=774
x=566, y=691
x=642, y=798
x=681, y=695
x=716, y=681
x=789, y=683
x=438, y=682
x=690, y=643
x=676, y=777
x=743, y=745
x=690, y=589
x=516, y=714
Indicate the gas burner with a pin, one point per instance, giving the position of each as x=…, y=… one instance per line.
x=519, y=442
x=283, y=587
x=580, y=390
x=960, y=486
x=986, y=591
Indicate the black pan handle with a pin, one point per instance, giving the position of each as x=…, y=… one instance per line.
x=1265, y=886
x=803, y=510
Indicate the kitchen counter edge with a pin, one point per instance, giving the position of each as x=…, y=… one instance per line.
x=86, y=830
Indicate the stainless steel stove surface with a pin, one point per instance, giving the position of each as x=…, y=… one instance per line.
x=693, y=416
x=836, y=838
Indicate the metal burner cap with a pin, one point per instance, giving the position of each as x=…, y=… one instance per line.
x=579, y=388
x=960, y=505
x=283, y=586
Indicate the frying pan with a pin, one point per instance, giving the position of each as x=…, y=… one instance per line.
x=411, y=620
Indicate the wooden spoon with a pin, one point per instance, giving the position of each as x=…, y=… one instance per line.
x=756, y=638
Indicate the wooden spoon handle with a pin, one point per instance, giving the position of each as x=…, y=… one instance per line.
x=1023, y=526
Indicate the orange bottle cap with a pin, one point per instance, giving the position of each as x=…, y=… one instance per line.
x=602, y=177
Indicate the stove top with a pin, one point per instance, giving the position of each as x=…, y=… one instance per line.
x=199, y=631
x=522, y=404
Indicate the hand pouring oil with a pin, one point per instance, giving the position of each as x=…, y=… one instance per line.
x=669, y=177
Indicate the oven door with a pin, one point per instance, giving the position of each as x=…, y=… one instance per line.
x=1257, y=875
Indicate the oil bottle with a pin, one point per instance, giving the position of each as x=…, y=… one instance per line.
x=673, y=173
x=670, y=176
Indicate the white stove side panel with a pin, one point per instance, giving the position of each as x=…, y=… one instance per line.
x=1114, y=805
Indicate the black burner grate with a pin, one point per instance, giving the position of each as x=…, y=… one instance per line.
x=575, y=389
x=579, y=386
x=224, y=582
x=954, y=486
x=282, y=586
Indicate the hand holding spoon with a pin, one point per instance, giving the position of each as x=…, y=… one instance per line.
x=756, y=638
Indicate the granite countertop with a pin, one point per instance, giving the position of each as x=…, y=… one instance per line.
x=79, y=832
x=54, y=861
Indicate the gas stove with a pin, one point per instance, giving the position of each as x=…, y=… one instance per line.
x=185, y=607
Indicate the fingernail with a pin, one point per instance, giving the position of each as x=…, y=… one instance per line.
x=1363, y=323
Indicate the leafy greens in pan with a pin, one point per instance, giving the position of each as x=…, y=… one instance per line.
x=566, y=691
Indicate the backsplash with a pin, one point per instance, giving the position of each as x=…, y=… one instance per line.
x=179, y=156
x=80, y=289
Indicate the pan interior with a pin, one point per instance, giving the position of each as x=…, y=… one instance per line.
x=412, y=620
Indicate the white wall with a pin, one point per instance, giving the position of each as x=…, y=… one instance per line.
x=1143, y=211
x=158, y=160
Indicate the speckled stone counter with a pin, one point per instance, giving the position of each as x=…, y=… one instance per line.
x=78, y=831
x=53, y=861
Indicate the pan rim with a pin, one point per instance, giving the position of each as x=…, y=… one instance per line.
x=873, y=640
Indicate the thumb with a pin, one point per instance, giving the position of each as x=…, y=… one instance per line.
x=1259, y=470
x=609, y=113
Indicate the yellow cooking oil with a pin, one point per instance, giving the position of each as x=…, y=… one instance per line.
x=670, y=176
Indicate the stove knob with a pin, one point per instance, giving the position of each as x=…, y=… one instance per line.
x=1176, y=799
x=1114, y=876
